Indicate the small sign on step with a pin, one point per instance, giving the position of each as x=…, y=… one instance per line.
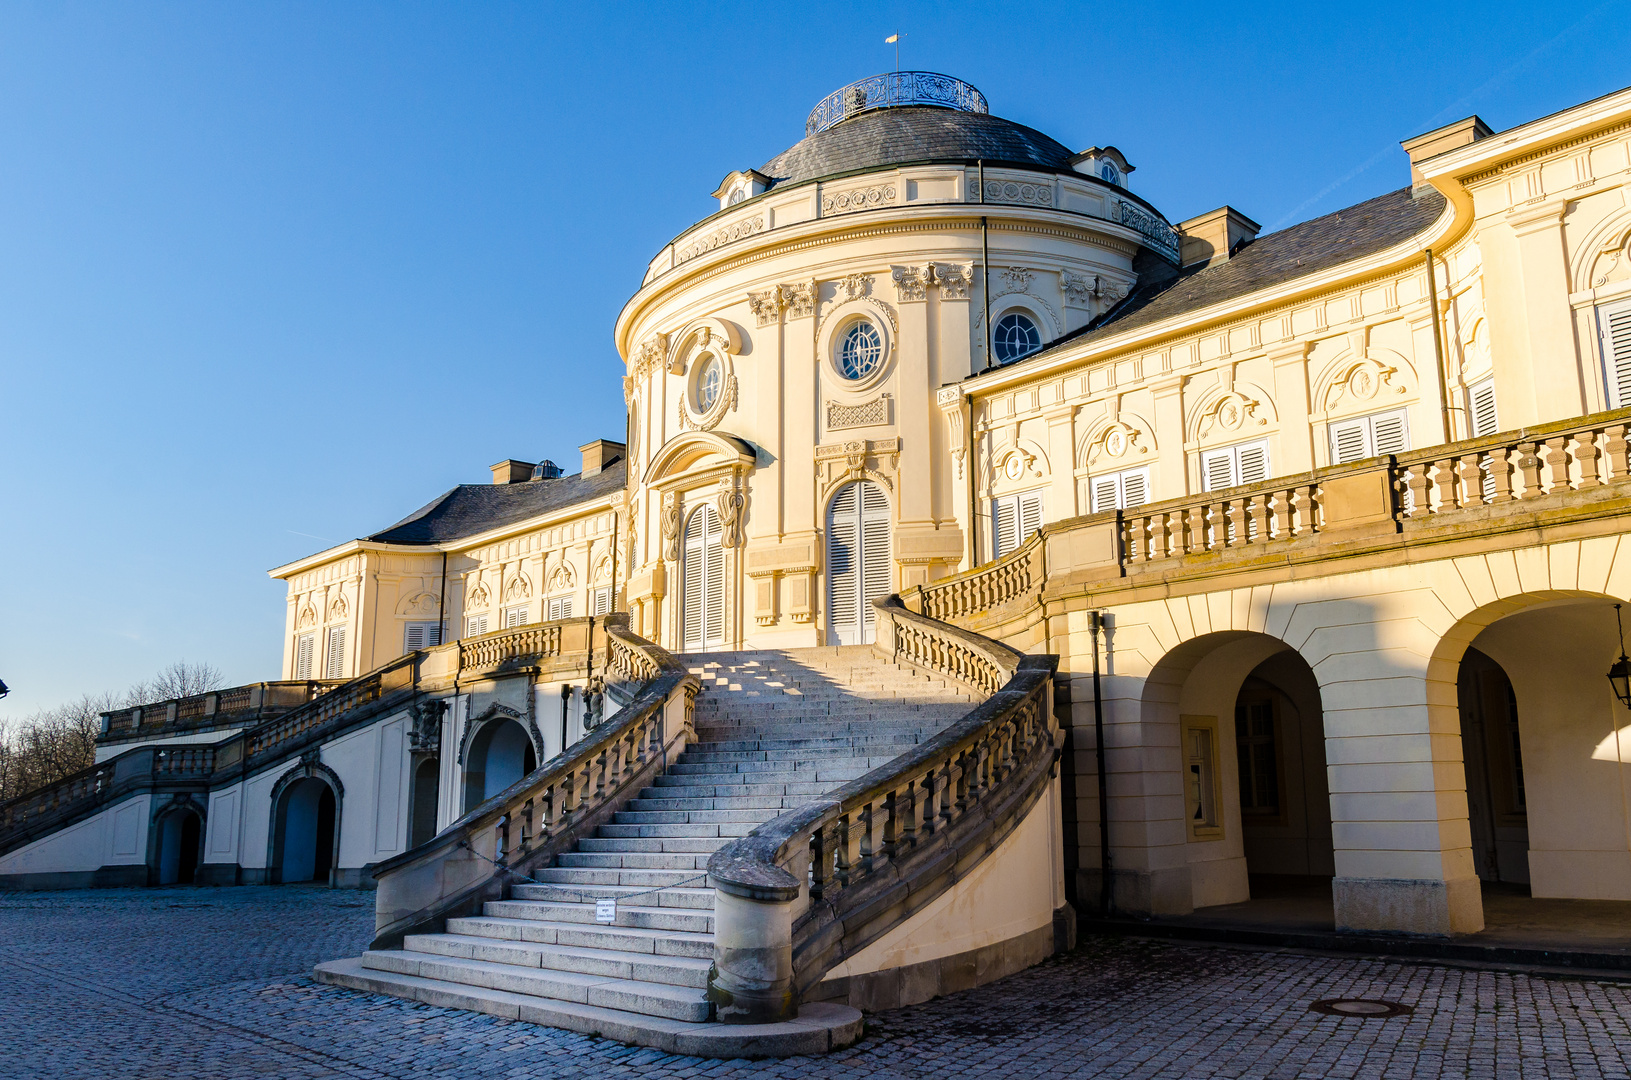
x=606, y=911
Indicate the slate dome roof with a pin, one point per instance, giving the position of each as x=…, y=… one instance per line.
x=909, y=134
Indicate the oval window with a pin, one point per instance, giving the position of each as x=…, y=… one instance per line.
x=709, y=380
x=1015, y=336
x=861, y=351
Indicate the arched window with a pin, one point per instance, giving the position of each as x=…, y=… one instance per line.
x=702, y=570
x=858, y=569
x=1015, y=336
x=1108, y=171
x=861, y=351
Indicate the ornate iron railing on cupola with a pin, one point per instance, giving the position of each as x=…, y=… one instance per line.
x=893, y=89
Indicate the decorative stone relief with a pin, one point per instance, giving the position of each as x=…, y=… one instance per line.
x=955, y=279
x=950, y=400
x=562, y=578
x=337, y=607
x=909, y=283
x=709, y=421
x=670, y=520
x=517, y=589
x=1367, y=380
x=732, y=504
x=649, y=357
x=799, y=299
x=425, y=736
x=867, y=198
x=479, y=597
x=724, y=235
x=766, y=306
x=1078, y=290
x=308, y=617
x=858, y=459
x=1118, y=441
x=603, y=569
x=1015, y=279
x=855, y=286
x=1009, y=191
x=1233, y=411
x=872, y=412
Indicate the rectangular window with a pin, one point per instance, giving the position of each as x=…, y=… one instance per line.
x=1257, y=752
x=1614, y=331
x=1201, y=785
x=475, y=626
x=1014, y=519
x=334, y=664
x=517, y=616
x=1121, y=491
x=1245, y=463
x=1367, y=436
x=305, y=648
x=421, y=635
x=559, y=607
x=1481, y=408
x=602, y=598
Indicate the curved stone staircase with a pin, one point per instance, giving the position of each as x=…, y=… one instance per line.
x=775, y=730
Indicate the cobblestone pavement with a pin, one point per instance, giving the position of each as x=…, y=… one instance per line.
x=206, y=983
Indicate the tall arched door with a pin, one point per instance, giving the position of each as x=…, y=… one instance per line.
x=702, y=602
x=857, y=561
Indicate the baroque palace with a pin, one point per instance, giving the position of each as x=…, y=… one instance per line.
x=983, y=547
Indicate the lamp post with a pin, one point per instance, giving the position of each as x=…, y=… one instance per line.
x=1619, y=676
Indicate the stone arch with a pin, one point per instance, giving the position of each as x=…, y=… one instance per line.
x=1026, y=457
x=699, y=452
x=176, y=840
x=292, y=792
x=1137, y=435
x=497, y=713
x=1226, y=414
x=423, y=603
x=506, y=746
x=1363, y=382
x=1604, y=252
x=708, y=334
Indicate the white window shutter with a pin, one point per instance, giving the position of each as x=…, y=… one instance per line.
x=305, y=646
x=1135, y=485
x=602, y=601
x=1348, y=442
x=1481, y=407
x=1390, y=433
x=875, y=568
x=1105, y=494
x=1030, y=516
x=476, y=626
x=1254, y=463
x=335, y=664
x=1218, y=469
x=1614, y=321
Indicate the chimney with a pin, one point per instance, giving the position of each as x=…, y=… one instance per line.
x=599, y=454
x=1213, y=237
x=510, y=471
x=1437, y=141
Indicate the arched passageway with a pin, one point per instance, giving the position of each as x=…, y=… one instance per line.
x=500, y=754
x=179, y=836
x=305, y=831
x=426, y=789
x=1245, y=713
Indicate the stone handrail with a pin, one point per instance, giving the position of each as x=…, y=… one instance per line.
x=80, y=794
x=818, y=884
x=1017, y=576
x=213, y=708
x=396, y=675
x=85, y=785
x=521, y=645
x=545, y=812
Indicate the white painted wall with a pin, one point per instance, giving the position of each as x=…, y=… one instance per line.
x=117, y=836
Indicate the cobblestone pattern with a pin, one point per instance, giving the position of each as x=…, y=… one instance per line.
x=213, y=983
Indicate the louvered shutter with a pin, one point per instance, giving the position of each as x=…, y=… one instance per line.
x=1030, y=516
x=1002, y=526
x=422, y=635
x=517, y=616
x=1218, y=469
x=1390, y=433
x=714, y=606
x=1614, y=322
x=1105, y=496
x=703, y=619
x=1481, y=407
x=1348, y=442
x=476, y=626
x=843, y=566
x=334, y=666
x=691, y=571
x=1135, y=487
x=603, y=600
x=1254, y=463
x=304, y=647
x=874, y=553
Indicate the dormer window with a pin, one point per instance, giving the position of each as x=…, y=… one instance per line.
x=737, y=196
x=1108, y=171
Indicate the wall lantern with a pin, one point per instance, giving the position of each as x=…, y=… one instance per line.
x=1619, y=676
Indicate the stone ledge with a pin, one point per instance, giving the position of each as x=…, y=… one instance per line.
x=819, y=1027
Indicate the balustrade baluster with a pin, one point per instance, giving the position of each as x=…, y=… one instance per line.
x=1557, y=464
x=946, y=793
x=1529, y=466
x=820, y=863
x=1471, y=475
x=1194, y=529
x=906, y=827
x=866, y=840
x=1419, y=502
x=841, y=869
x=1586, y=455
x=1618, y=451
x=1500, y=475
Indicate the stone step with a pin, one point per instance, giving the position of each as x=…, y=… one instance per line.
x=705, y=784
x=885, y=743
x=699, y=897
x=671, y=845
x=793, y=754
x=820, y=1026
x=693, y=817
x=587, y=935
x=782, y=772
x=609, y=963
x=640, y=878
x=649, y=999
x=633, y=832
x=633, y=860
x=644, y=917
x=777, y=803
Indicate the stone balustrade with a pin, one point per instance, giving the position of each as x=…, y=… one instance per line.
x=545, y=812
x=818, y=884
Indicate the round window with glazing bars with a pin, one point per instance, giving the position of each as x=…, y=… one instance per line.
x=861, y=351
x=709, y=379
x=1015, y=336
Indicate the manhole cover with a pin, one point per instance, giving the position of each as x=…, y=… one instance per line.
x=1369, y=1008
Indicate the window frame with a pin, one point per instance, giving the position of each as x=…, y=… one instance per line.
x=1209, y=781
x=427, y=630
x=1029, y=510
x=1120, y=499
x=996, y=328
x=1370, y=438
x=1237, y=470
x=304, y=666
x=558, y=607
x=334, y=652
x=841, y=343
x=516, y=615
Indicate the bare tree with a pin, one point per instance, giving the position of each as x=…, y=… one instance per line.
x=49, y=744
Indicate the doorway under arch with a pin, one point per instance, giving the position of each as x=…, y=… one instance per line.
x=702, y=573
x=306, y=831
x=858, y=561
x=180, y=836
x=426, y=791
x=500, y=754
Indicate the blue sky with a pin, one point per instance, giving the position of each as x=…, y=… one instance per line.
x=274, y=275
